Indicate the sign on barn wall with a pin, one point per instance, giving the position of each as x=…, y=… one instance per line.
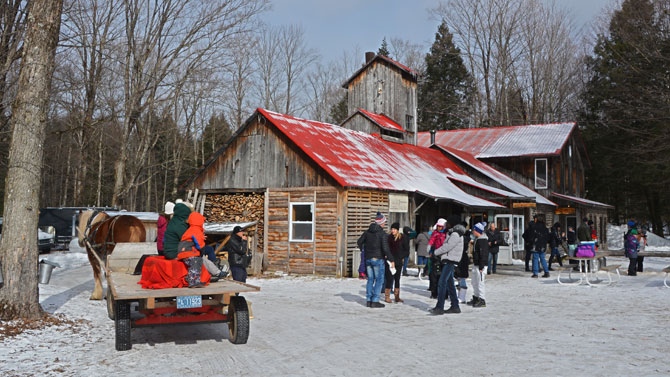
x=398, y=203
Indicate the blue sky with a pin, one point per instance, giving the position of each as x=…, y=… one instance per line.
x=332, y=27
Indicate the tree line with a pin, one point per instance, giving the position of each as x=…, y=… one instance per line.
x=143, y=93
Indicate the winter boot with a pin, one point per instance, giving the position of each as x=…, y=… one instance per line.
x=387, y=295
x=474, y=300
x=461, y=295
x=481, y=303
x=396, y=293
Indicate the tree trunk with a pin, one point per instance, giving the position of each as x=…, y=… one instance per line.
x=19, y=297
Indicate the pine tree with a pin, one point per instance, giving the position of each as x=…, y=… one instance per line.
x=626, y=112
x=384, y=49
x=446, y=86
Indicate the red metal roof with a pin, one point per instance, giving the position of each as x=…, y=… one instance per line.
x=509, y=141
x=382, y=120
x=357, y=159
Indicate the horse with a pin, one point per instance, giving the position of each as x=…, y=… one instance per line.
x=99, y=233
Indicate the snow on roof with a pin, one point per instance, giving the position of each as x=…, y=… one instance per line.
x=509, y=141
x=357, y=159
x=497, y=176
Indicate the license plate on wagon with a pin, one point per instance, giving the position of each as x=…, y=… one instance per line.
x=186, y=302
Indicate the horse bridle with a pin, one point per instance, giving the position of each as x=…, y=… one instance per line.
x=91, y=236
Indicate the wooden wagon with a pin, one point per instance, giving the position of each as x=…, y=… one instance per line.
x=217, y=302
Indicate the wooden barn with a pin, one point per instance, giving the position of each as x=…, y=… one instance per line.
x=323, y=184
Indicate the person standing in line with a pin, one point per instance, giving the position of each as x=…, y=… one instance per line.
x=480, y=259
x=421, y=248
x=238, y=254
x=495, y=239
x=436, y=240
x=449, y=253
x=541, y=239
x=408, y=235
x=556, y=237
x=161, y=225
x=461, y=272
x=528, y=242
x=399, y=250
x=375, y=242
x=572, y=240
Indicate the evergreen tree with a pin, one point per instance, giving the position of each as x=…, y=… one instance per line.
x=626, y=114
x=384, y=49
x=339, y=111
x=446, y=86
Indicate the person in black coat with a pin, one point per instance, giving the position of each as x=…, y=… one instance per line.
x=377, y=252
x=540, y=240
x=495, y=240
x=461, y=272
x=238, y=254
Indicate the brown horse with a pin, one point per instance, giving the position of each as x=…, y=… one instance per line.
x=99, y=233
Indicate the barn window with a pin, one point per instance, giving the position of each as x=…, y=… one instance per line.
x=301, y=227
x=541, y=173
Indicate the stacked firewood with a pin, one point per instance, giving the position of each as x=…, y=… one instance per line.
x=237, y=208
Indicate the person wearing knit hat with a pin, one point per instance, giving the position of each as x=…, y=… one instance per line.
x=239, y=256
x=161, y=225
x=374, y=243
x=380, y=219
x=436, y=240
x=399, y=249
x=480, y=260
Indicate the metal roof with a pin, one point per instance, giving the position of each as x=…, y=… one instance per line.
x=582, y=201
x=382, y=120
x=404, y=70
x=358, y=159
x=497, y=176
x=508, y=141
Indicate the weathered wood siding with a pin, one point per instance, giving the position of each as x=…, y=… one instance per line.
x=382, y=90
x=318, y=257
x=361, y=208
x=260, y=157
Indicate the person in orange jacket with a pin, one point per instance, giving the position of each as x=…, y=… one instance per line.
x=196, y=234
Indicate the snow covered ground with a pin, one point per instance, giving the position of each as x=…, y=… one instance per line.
x=308, y=326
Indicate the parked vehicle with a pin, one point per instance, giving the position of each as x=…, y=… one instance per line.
x=46, y=237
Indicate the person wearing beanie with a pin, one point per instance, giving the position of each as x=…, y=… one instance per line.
x=161, y=225
x=375, y=243
x=238, y=254
x=480, y=260
x=631, y=248
x=399, y=250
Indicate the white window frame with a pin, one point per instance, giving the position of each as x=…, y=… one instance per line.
x=292, y=222
x=538, y=181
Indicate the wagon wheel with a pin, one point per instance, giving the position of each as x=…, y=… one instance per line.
x=110, y=305
x=238, y=324
x=122, y=325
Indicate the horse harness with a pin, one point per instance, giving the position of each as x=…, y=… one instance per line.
x=90, y=237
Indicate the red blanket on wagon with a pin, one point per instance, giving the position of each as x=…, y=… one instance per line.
x=158, y=273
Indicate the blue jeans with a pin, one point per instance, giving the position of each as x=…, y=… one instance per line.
x=493, y=262
x=404, y=265
x=375, y=271
x=539, y=257
x=446, y=284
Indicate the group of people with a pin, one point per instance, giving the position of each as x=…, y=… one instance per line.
x=444, y=251
x=181, y=235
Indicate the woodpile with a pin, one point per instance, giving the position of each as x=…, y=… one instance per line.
x=237, y=208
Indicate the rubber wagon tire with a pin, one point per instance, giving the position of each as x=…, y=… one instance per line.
x=122, y=325
x=238, y=325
